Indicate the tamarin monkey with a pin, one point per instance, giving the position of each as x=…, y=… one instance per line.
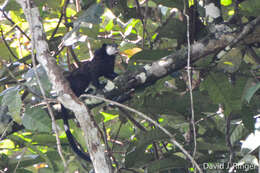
x=102, y=64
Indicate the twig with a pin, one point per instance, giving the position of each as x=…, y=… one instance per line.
x=44, y=95
x=104, y=134
x=228, y=121
x=145, y=21
x=190, y=85
x=169, y=18
x=17, y=81
x=4, y=4
x=9, y=49
x=6, y=44
x=5, y=130
x=125, y=113
x=155, y=123
x=156, y=152
x=57, y=27
x=78, y=7
x=246, y=30
x=19, y=161
x=60, y=19
x=204, y=118
x=91, y=54
x=12, y=22
x=61, y=46
x=117, y=133
x=253, y=54
x=142, y=19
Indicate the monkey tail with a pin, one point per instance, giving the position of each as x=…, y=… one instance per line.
x=70, y=137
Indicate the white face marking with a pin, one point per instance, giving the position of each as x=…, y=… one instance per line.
x=212, y=11
x=111, y=50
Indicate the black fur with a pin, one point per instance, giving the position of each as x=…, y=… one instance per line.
x=101, y=65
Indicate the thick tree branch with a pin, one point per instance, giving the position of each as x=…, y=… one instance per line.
x=150, y=73
x=61, y=86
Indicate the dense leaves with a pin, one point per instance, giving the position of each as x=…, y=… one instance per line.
x=225, y=91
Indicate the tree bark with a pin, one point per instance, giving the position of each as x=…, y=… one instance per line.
x=65, y=95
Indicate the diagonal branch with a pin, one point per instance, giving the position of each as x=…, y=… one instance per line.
x=150, y=73
x=13, y=23
x=61, y=86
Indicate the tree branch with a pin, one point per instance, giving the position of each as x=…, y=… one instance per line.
x=150, y=73
x=61, y=86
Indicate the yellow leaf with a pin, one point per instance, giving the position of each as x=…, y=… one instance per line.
x=226, y=2
x=228, y=63
x=131, y=52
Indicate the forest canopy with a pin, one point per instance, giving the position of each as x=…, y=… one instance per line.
x=186, y=98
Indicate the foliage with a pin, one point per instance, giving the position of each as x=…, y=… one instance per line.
x=226, y=95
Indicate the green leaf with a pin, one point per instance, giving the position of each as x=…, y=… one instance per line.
x=231, y=61
x=226, y=2
x=70, y=11
x=149, y=55
x=36, y=119
x=223, y=92
x=248, y=117
x=90, y=32
x=238, y=132
x=54, y=4
x=7, y=143
x=168, y=163
x=5, y=54
x=209, y=146
x=85, y=20
x=109, y=26
x=12, y=5
x=172, y=104
x=28, y=160
x=250, y=92
x=92, y=14
x=137, y=148
x=175, y=29
x=12, y=100
x=32, y=82
x=250, y=7
x=108, y=116
x=45, y=139
x=15, y=16
x=20, y=170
